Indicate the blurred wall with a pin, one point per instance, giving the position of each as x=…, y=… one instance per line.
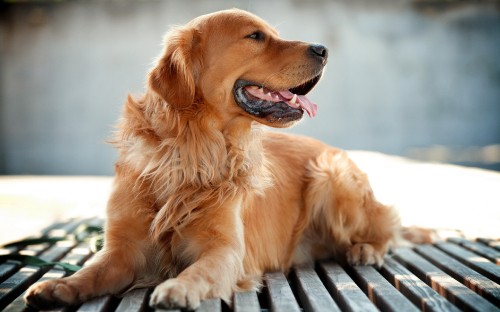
x=402, y=79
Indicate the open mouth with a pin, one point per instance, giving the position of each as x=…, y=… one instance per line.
x=275, y=105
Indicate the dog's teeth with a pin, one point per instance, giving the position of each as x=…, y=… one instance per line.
x=294, y=99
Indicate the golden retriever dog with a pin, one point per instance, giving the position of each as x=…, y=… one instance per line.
x=205, y=200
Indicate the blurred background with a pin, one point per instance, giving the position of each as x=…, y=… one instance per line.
x=419, y=79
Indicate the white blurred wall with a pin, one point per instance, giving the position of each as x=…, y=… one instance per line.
x=398, y=79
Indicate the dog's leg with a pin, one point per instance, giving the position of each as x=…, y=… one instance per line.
x=215, y=245
x=112, y=269
x=346, y=212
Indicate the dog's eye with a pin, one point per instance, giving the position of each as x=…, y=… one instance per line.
x=258, y=35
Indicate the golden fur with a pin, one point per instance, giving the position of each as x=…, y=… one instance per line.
x=204, y=200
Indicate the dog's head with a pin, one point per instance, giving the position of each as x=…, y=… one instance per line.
x=235, y=63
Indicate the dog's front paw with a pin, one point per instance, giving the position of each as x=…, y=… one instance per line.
x=364, y=254
x=51, y=294
x=174, y=293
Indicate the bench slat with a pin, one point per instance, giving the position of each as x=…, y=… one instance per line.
x=493, y=243
x=169, y=310
x=64, y=228
x=380, y=291
x=280, y=294
x=444, y=284
x=415, y=289
x=312, y=293
x=10, y=267
x=475, y=281
x=349, y=296
x=210, y=305
x=246, y=302
x=485, y=251
x=134, y=301
x=476, y=262
x=99, y=304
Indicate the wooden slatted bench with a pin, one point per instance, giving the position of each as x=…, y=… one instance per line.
x=454, y=275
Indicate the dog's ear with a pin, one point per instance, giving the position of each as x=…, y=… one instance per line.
x=173, y=77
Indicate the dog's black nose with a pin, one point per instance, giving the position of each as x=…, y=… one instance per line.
x=318, y=50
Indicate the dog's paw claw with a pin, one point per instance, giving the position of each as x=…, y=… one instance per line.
x=175, y=294
x=364, y=254
x=50, y=294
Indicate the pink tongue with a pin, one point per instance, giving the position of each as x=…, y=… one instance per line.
x=285, y=96
x=310, y=107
